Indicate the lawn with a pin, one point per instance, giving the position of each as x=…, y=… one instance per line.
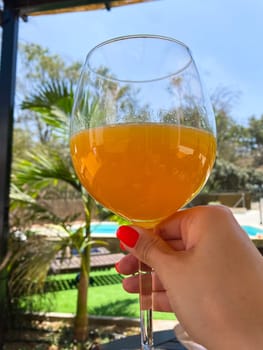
x=104, y=300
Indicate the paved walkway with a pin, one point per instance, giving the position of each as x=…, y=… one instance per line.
x=248, y=217
x=162, y=340
x=171, y=339
x=161, y=325
x=97, y=261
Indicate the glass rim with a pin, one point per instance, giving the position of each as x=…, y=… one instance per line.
x=138, y=36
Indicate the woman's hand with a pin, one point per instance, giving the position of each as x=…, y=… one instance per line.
x=207, y=271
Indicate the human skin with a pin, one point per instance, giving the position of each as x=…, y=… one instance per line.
x=207, y=271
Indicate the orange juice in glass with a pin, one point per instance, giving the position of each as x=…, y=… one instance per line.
x=144, y=172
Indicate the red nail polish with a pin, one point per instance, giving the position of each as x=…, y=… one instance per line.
x=127, y=235
x=117, y=267
x=122, y=246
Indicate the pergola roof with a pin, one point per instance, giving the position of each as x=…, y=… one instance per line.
x=44, y=7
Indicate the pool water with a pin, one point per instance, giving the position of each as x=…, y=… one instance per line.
x=109, y=228
x=252, y=231
x=103, y=228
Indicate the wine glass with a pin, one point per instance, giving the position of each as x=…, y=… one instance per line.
x=142, y=135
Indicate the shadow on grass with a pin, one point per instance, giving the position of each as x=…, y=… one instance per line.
x=118, y=308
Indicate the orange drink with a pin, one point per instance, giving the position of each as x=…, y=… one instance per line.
x=143, y=172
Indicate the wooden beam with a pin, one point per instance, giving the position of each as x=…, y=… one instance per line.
x=44, y=7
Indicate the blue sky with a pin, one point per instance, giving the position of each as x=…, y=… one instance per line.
x=225, y=37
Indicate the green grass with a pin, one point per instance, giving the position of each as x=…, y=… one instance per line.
x=109, y=300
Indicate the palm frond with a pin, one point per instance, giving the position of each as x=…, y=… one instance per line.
x=33, y=209
x=30, y=263
x=48, y=94
x=49, y=98
x=44, y=168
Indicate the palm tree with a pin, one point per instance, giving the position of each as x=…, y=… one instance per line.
x=49, y=165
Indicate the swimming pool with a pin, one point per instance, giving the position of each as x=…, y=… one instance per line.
x=108, y=229
x=252, y=231
x=105, y=228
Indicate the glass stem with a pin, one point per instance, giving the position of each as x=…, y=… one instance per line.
x=145, y=280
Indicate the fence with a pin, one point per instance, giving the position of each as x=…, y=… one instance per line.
x=230, y=199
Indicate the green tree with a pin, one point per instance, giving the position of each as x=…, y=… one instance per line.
x=37, y=66
x=40, y=65
x=255, y=129
x=238, y=149
x=22, y=143
x=226, y=177
x=227, y=131
x=50, y=166
x=224, y=126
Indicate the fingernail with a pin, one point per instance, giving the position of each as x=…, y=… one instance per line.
x=117, y=268
x=127, y=235
x=122, y=246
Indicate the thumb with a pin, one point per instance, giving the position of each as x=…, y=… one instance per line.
x=145, y=245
